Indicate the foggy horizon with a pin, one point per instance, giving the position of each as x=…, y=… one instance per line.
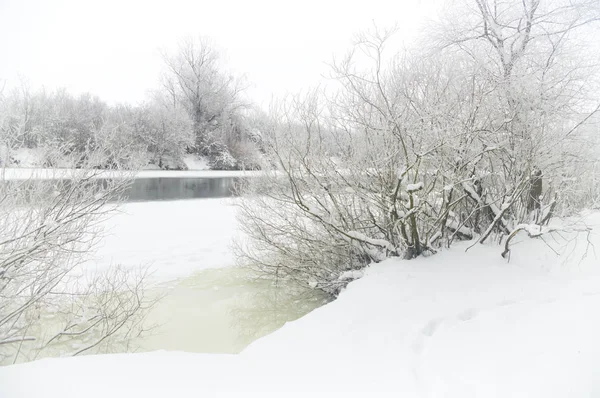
x=113, y=50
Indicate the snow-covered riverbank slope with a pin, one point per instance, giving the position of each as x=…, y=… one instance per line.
x=452, y=325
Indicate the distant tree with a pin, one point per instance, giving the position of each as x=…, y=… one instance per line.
x=115, y=143
x=56, y=122
x=71, y=122
x=197, y=81
x=21, y=113
x=166, y=131
x=199, y=109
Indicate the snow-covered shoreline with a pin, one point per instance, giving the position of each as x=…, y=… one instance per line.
x=452, y=325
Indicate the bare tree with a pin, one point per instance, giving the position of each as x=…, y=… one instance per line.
x=49, y=302
x=167, y=131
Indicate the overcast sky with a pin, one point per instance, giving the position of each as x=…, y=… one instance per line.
x=112, y=47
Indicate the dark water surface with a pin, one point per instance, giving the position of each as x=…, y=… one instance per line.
x=141, y=189
x=175, y=188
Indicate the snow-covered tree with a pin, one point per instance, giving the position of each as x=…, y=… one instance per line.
x=467, y=138
x=196, y=80
x=165, y=130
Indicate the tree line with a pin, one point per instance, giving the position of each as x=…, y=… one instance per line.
x=197, y=111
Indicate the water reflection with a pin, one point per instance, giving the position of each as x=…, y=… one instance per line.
x=155, y=189
x=140, y=190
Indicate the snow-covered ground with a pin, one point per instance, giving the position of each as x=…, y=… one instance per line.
x=194, y=162
x=452, y=325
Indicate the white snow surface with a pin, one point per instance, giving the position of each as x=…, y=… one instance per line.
x=174, y=239
x=457, y=324
x=372, y=241
x=532, y=229
x=351, y=275
x=414, y=187
x=195, y=162
x=28, y=156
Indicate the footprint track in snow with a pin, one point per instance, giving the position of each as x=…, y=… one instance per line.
x=467, y=315
x=431, y=326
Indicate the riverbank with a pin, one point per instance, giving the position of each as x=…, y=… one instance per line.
x=39, y=173
x=452, y=325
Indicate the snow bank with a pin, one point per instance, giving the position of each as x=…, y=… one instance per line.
x=28, y=157
x=194, y=162
x=452, y=325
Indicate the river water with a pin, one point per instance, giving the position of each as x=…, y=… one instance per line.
x=222, y=311
x=176, y=188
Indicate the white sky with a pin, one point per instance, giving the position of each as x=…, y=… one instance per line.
x=112, y=47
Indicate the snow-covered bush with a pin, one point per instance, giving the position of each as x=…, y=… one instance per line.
x=466, y=140
x=165, y=130
x=231, y=146
x=247, y=154
x=220, y=158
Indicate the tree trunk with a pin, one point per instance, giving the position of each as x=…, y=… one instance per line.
x=535, y=191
